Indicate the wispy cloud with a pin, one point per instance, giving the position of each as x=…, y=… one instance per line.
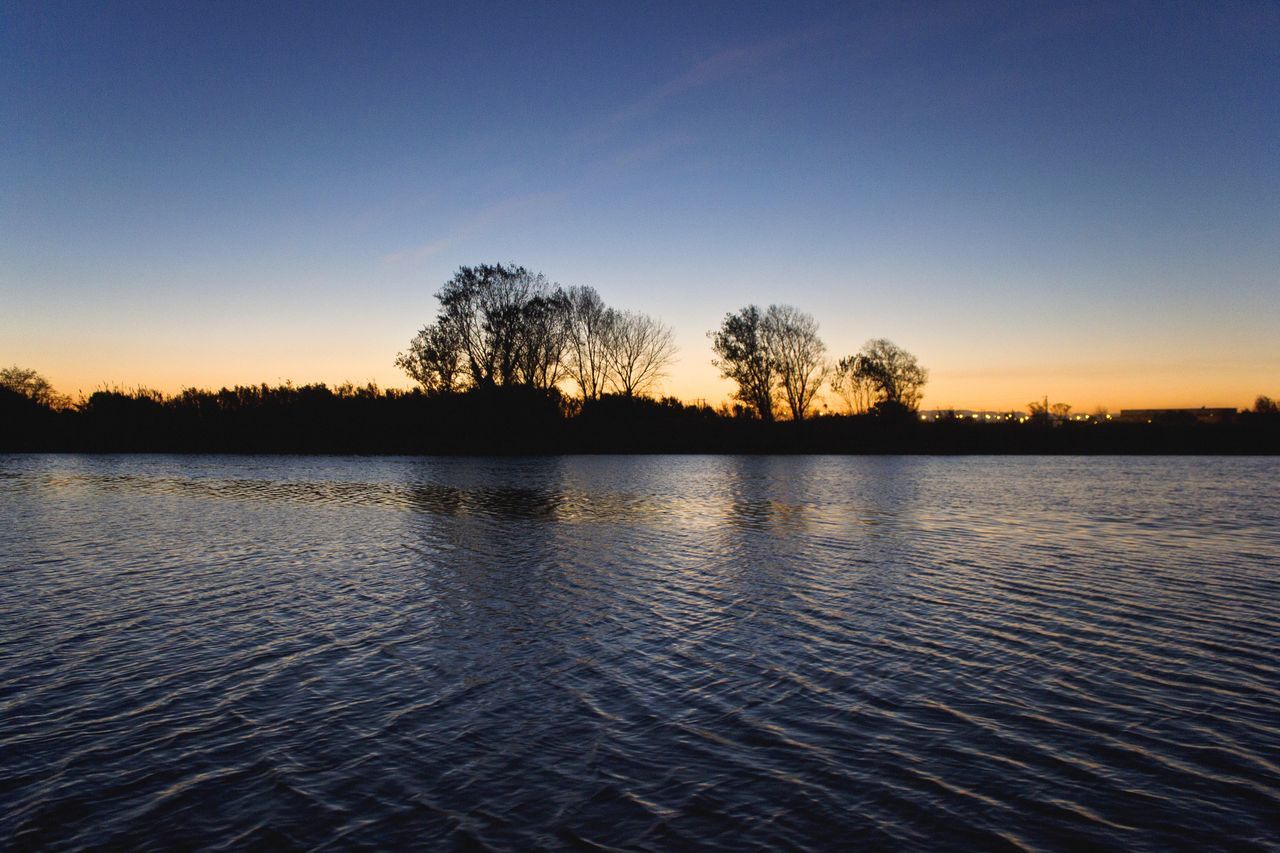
x=482, y=218
x=719, y=66
x=417, y=253
x=645, y=152
x=724, y=64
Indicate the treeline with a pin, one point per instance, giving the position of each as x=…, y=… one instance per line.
x=522, y=420
x=513, y=363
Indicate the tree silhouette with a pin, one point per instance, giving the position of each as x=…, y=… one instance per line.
x=590, y=334
x=29, y=384
x=498, y=325
x=798, y=356
x=855, y=387
x=640, y=350
x=503, y=326
x=742, y=349
x=433, y=358
x=542, y=337
x=894, y=374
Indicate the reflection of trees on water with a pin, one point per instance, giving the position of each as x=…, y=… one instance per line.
x=487, y=547
x=767, y=493
x=494, y=501
x=565, y=504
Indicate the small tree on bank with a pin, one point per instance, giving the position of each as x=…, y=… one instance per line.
x=433, y=358
x=893, y=375
x=854, y=387
x=32, y=385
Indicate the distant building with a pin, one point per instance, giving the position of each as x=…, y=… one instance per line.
x=1202, y=415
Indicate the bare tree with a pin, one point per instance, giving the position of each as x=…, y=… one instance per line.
x=640, y=350
x=741, y=346
x=854, y=387
x=798, y=356
x=591, y=325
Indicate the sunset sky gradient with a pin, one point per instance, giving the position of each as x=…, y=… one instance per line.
x=1073, y=200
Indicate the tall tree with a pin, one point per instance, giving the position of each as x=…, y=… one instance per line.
x=742, y=349
x=591, y=325
x=508, y=327
x=640, y=350
x=483, y=305
x=798, y=356
x=541, y=339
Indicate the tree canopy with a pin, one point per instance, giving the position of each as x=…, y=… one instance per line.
x=774, y=356
x=892, y=375
x=504, y=326
x=29, y=384
x=742, y=349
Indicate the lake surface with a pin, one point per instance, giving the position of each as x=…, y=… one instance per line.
x=641, y=652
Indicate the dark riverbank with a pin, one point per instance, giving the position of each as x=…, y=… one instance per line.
x=320, y=420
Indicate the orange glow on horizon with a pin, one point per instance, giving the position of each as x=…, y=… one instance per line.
x=997, y=371
x=691, y=383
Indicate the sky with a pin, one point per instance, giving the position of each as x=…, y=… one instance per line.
x=1079, y=201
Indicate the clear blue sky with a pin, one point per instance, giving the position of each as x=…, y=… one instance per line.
x=1079, y=200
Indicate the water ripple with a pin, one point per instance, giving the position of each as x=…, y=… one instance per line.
x=639, y=653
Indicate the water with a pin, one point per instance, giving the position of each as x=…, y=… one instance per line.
x=646, y=652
